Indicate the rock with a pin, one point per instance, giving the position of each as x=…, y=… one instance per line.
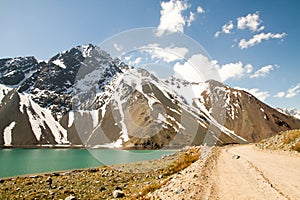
x=49, y=180
x=118, y=194
x=1, y=181
x=118, y=188
x=92, y=170
x=55, y=174
x=71, y=197
x=102, y=188
x=236, y=157
x=180, y=190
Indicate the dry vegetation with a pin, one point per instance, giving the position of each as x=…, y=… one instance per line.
x=99, y=183
x=183, y=161
x=286, y=140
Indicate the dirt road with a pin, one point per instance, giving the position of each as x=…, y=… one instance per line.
x=238, y=172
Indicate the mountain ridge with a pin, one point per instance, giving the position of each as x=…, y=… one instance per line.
x=83, y=97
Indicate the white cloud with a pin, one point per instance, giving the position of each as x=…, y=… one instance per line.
x=117, y=47
x=261, y=95
x=129, y=60
x=290, y=93
x=233, y=70
x=217, y=34
x=193, y=73
x=226, y=28
x=167, y=54
x=136, y=61
x=248, y=68
x=200, y=10
x=280, y=94
x=258, y=38
x=171, y=19
x=251, y=21
x=262, y=72
x=191, y=19
x=293, y=91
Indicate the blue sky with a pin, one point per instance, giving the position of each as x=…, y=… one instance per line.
x=256, y=48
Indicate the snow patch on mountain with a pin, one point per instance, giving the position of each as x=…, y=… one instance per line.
x=4, y=91
x=71, y=118
x=59, y=63
x=188, y=90
x=85, y=50
x=7, y=135
x=40, y=117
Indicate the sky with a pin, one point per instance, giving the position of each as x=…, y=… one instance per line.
x=254, y=44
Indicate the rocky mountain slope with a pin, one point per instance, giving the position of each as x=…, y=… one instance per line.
x=83, y=97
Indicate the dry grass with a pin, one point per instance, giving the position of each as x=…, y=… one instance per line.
x=286, y=141
x=296, y=147
x=153, y=186
x=184, y=160
x=291, y=136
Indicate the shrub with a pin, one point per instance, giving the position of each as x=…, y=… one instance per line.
x=183, y=161
x=291, y=136
x=296, y=147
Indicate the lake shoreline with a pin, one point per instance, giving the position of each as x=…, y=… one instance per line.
x=88, y=148
x=97, y=181
x=27, y=161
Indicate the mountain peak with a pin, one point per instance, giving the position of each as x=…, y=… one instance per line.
x=215, y=83
x=83, y=96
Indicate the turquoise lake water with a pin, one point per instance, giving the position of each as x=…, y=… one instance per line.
x=16, y=162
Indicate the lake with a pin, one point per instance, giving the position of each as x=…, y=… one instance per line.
x=16, y=162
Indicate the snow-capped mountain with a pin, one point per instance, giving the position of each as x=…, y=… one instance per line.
x=246, y=115
x=84, y=97
x=290, y=111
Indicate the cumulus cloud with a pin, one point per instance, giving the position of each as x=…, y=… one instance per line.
x=258, y=38
x=168, y=54
x=249, y=68
x=261, y=95
x=233, y=70
x=200, y=10
x=172, y=19
x=191, y=19
x=262, y=72
x=251, y=21
x=226, y=28
x=190, y=72
x=280, y=94
x=290, y=93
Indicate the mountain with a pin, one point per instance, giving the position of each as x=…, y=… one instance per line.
x=83, y=97
x=246, y=115
x=289, y=111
